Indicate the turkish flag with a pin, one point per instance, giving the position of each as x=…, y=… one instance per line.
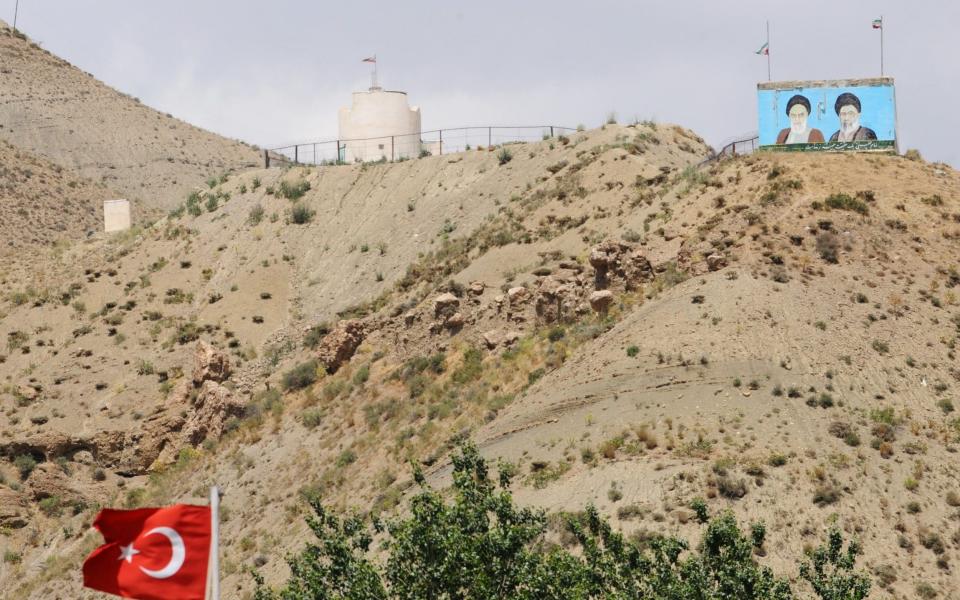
x=151, y=553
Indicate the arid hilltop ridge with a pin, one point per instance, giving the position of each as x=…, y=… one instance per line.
x=50, y=108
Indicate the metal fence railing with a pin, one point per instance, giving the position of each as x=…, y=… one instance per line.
x=739, y=147
x=401, y=147
x=745, y=144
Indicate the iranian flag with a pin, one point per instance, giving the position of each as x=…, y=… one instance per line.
x=878, y=23
x=764, y=49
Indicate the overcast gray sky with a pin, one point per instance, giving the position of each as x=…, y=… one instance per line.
x=274, y=72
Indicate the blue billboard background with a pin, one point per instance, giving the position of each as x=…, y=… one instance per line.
x=878, y=111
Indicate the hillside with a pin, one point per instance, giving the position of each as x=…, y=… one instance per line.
x=774, y=333
x=50, y=108
x=42, y=204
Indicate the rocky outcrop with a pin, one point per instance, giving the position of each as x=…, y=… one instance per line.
x=47, y=445
x=620, y=260
x=445, y=305
x=553, y=299
x=210, y=364
x=211, y=408
x=601, y=300
x=715, y=262
x=196, y=409
x=48, y=480
x=517, y=295
x=338, y=346
x=455, y=321
x=156, y=443
x=28, y=392
x=496, y=337
x=14, y=510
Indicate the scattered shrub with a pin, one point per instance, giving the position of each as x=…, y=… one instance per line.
x=256, y=215
x=293, y=191
x=301, y=376
x=828, y=245
x=845, y=202
x=301, y=214
x=25, y=464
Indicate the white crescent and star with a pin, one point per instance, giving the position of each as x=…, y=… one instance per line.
x=178, y=555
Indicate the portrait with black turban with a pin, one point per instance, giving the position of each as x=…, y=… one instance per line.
x=848, y=110
x=799, y=132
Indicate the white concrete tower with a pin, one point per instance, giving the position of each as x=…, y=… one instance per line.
x=116, y=215
x=380, y=124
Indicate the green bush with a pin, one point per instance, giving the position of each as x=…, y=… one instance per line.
x=845, y=202
x=504, y=156
x=315, y=334
x=50, y=506
x=472, y=366
x=301, y=214
x=362, y=375
x=301, y=376
x=293, y=191
x=347, y=457
x=479, y=545
x=25, y=464
x=312, y=417
x=256, y=215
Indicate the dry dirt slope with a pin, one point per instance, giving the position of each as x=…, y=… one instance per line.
x=737, y=362
x=51, y=108
x=42, y=203
x=108, y=326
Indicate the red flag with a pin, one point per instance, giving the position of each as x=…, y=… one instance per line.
x=151, y=553
x=371, y=59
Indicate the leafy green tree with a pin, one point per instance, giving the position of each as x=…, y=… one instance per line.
x=336, y=568
x=476, y=544
x=830, y=570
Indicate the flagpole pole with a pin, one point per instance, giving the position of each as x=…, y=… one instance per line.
x=16, y=9
x=881, y=45
x=214, y=543
x=769, y=78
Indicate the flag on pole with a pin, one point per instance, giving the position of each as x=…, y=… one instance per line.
x=878, y=23
x=370, y=59
x=151, y=553
x=764, y=49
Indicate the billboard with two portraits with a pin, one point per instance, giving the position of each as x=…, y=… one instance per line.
x=831, y=116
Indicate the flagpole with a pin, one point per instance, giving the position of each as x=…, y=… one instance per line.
x=214, y=543
x=769, y=78
x=881, y=45
x=16, y=9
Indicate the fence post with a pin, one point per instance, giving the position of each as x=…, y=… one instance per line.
x=551, y=131
x=440, y=151
x=266, y=159
x=391, y=149
x=338, y=153
x=296, y=155
x=315, y=161
x=489, y=137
